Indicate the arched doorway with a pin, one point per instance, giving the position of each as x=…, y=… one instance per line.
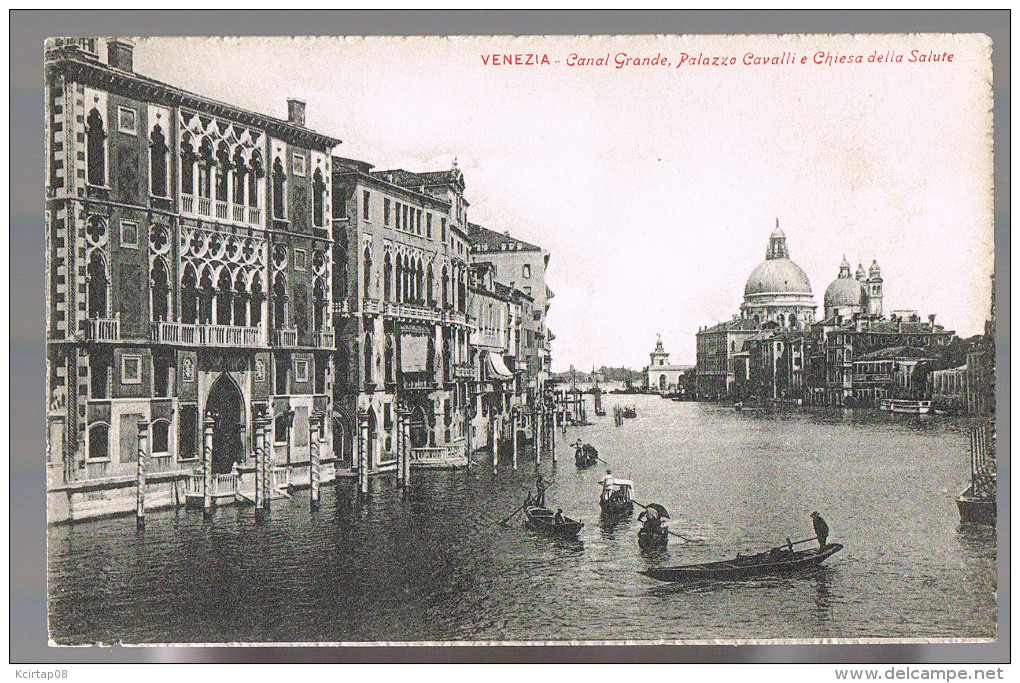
x=227, y=406
x=373, y=436
x=419, y=428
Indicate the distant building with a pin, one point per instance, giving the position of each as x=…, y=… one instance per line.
x=718, y=347
x=661, y=375
x=858, y=295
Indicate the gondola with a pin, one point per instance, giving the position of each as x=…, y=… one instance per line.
x=620, y=501
x=778, y=561
x=629, y=412
x=542, y=519
x=651, y=540
x=585, y=456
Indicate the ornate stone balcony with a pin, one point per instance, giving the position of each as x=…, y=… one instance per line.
x=412, y=312
x=103, y=329
x=464, y=371
x=168, y=332
x=455, y=317
x=341, y=308
x=371, y=306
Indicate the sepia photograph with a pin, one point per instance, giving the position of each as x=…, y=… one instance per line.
x=520, y=340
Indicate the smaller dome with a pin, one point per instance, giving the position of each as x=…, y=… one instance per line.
x=874, y=270
x=778, y=232
x=860, y=272
x=844, y=291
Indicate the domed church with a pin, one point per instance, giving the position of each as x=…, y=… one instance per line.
x=854, y=295
x=778, y=290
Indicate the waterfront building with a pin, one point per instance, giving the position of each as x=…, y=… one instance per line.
x=660, y=374
x=776, y=365
x=888, y=373
x=401, y=287
x=189, y=258
x=718, y=356
x=522, y=266
x=948, y=388
x=493, y=351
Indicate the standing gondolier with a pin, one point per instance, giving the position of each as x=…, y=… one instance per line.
x=821, y=529
x=540, y=487
x=607, y=485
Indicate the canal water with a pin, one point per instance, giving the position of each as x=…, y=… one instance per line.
x=436, y=565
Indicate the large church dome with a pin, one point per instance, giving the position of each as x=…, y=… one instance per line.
x=777, y=274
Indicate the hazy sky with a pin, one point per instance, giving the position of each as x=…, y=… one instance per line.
x=655, y=188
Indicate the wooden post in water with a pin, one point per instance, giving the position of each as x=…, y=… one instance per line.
x=494, y=444
x=550, y=433
x=259, y=428
x=514, y=420
x=401, y=455
x=406, y=441
x=143, y=447
x=363, y=454
x=313, y=464
x=207, y=443
x=534, y=437
x=269, y=429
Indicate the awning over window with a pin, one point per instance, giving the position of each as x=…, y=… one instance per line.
x=496, y=367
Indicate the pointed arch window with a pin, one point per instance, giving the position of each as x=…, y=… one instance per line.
x=222, y=171
x=98, y=286
x=255, y=302
x=279, y=301
x=160, y=289
x=240, y=174
x=256, y=174
x=319, y=305
x=279, y=188
x=368, y=271
x=318, y=199
x=224, y=294
x=206, y=298
x=157, y=163
x=206, y=163
x=428, y=287
x=95, y=145
x=189, y=297
x=301, y=310
x=240, y=301
x=339, y=273
x=188, y=160
x=368, y=358
x=387, y=278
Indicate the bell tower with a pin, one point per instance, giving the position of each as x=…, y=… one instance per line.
x=874, y=287
x=659, y=356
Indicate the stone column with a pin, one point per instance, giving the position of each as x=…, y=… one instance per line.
x=313, y=458
x=143, y=451
x=259, y=428
x=207, y=442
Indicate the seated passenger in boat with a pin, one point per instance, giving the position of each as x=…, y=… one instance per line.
x=558, y=518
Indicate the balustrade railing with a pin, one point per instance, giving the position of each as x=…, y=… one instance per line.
x=238, y=213
x=188, y=203
x=286, y=337
x=254, y=215
x=169, y=332
x=371, y=305
x=221, y=210
x=325, y=339
x=412, y=311
x=281, y=478
x=103, y=329
x=464, y=370
x=341, y=307
x=451, y=451
x=205, y=206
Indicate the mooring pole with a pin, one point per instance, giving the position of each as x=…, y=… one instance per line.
x=209, y=425
x=268, y=460
x=313, y=465
x=550, y=432
x=406, y=441
x=495, y=444
x=514, y=420
x=534, y=438
x=143, y=446
x=258, y=427
x=363, y=455
x=400, y=449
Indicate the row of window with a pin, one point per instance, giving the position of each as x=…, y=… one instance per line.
x=404, y=217
x=208, y=175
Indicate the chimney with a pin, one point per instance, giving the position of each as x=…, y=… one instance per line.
x=931, y=320
x=296, y=111
x=120, y=53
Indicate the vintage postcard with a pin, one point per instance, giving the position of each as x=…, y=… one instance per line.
x=599, y=339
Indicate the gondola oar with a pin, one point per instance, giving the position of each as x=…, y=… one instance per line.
x=793, y=543
x=521, y=507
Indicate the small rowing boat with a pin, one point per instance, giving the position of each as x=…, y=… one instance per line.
x=543, y=519
x=620, y=501
x=777, y=561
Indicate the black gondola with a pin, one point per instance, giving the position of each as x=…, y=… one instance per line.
x=651, y=539
x=629, y=412
x=620, y=501
x=777, y=561
x=543, y=519
x=585, y=455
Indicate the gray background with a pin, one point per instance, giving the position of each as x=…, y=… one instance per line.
x=28, y=640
